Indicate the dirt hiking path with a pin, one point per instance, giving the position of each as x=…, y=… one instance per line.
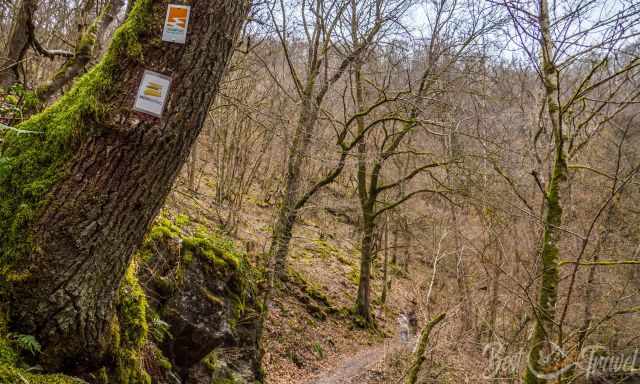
x=358, y=364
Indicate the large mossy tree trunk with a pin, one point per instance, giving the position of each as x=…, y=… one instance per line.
x=77, y=199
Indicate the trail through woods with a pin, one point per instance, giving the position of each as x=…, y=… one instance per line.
x=350, y=370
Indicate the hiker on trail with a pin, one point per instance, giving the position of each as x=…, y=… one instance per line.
x=403, y=322
x=412, y=318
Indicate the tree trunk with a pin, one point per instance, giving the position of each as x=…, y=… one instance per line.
x=386, y=282
x=283, y=231
x=366, y=193
x=495, y=291
x=548, y=294
x=363, y=301
x=407, y=248
x=288, y=212
x=394, y=247
x=78, y=199
x=72, y=68
x=113, y=9
x=421, y=348
x=18, y=43
x=544, y=328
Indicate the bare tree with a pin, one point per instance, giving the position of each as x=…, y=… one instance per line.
x=444, y=50
x=559, y=35
x=321, y=21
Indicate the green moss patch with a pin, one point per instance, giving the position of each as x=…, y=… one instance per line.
x=220, y=372
x=11, y=375
x=196, y=240
x=315, y=301
x=132, y=321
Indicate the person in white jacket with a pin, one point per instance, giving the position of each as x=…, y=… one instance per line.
x=403, y=322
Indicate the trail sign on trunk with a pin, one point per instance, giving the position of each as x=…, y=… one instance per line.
x=152, y=93
x=176, y=23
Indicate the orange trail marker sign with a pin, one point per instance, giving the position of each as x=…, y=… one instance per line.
x=176, y=23
x=152, y=93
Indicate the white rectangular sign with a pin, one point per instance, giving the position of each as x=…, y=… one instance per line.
x=176, y=23
x=152, y=93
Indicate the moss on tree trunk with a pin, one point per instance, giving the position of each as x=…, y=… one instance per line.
x=421, y=349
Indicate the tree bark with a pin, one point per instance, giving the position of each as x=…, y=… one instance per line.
x=18, y=43
x=386, y=282
x=283, y=231
x=78, y=199
x=363, y=301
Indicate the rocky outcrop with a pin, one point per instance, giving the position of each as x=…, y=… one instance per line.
x=202, y=300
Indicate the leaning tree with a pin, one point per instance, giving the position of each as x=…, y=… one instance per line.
x=81, y=182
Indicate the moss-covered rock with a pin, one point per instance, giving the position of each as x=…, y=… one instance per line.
x=205, y=290
x=214, y=370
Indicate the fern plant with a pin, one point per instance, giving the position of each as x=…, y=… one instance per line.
x=159, y=328
x=26, y=343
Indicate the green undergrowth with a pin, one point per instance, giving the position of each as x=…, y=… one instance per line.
x=31, y=163
x=14, y=369
x=324, y=249
x=9, y=374
x=15, y=105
